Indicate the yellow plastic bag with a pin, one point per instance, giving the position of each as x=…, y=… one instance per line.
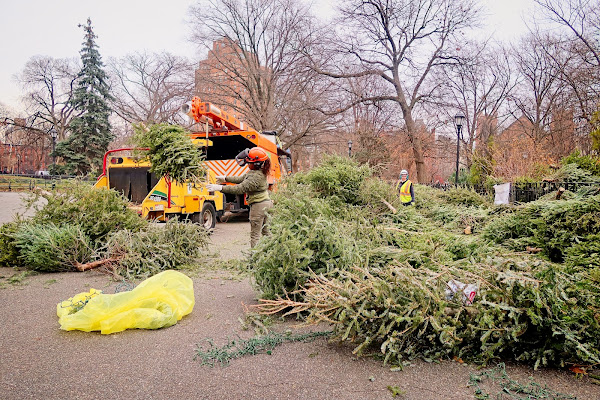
x=157, y=302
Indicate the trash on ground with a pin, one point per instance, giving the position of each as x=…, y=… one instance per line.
x=468, y=291
x=157, y=302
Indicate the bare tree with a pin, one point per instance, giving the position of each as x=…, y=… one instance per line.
x=253, y=65
x=150, y=87
x=478, y=85
x=403, y=43
x=48, y=84
x=540, y=63
x=375, y=128
x=581, y=20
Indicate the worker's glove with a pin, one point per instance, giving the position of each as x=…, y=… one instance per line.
x=214, y=188
x=220, y=178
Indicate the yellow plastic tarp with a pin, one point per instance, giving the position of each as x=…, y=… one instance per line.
x=157, y=302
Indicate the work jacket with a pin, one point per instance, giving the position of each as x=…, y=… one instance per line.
x=253, y=183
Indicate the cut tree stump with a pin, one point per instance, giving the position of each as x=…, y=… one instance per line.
x=391, y=207
x=533, y=250
x=95, y=264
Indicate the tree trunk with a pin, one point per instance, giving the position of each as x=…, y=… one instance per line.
x=419, y=162
x=416, y=144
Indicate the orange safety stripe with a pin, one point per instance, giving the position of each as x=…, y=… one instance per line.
x=226, y=167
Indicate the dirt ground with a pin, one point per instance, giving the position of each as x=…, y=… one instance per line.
x=39, y=361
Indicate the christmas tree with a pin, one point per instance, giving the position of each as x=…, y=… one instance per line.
x=83, y=150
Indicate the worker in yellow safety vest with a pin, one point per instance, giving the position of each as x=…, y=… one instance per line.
x=407, y=193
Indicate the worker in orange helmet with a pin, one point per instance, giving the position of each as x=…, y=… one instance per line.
x=254, y=184
x=405, y=186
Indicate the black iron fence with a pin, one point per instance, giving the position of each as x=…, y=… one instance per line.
x=524, y=192
x=24, y=182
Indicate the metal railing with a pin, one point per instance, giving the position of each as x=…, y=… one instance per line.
x=523, y=192
x=531, y=191
x=25, y=182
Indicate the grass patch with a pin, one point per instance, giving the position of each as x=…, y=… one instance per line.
x=237, y=348
x=494, y=383
x=19, y=279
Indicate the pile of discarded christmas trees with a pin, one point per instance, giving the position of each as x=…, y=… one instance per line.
x=453, y=276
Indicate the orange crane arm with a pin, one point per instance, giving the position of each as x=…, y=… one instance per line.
x=219, y=117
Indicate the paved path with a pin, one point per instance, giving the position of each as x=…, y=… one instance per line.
x=11, y=203
x=39, y=361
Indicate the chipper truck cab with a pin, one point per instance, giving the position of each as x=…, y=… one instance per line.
x=221, y=137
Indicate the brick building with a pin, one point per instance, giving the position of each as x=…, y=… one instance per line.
x=214, y=78
x=22, y=152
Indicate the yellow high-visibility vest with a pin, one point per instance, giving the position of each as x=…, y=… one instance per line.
x=405, y=196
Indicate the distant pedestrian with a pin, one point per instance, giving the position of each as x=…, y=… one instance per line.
x=405, y=188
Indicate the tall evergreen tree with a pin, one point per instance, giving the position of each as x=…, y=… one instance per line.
x=91, y=134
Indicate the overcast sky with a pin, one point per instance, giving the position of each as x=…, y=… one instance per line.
x=49, y=28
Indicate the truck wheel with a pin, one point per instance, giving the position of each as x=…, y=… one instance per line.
x=208, y=216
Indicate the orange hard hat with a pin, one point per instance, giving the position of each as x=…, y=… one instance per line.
x=256, y=154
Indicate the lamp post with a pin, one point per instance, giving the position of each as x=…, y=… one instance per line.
x=349, y=148
x=54, y=135
x=459, y=120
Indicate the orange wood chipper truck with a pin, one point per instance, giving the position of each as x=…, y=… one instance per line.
x=221, y=137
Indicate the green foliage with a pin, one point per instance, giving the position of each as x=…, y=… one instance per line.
x=490, y=181
x=461, y=196
x=97, y=212
x=381, y=277
x=396, y=391
x=455, y=208
x=509, y=388
x=463, y=176
x=595, y=133
x=338, y=176
x=540, y=170
x=141, y=254
x=9, y=253
x=19, y=279
x=585, y=252
x=305, y=237
x=481, y=168
x=373, y=190
x=520, y=181
x=83, y=150
x=316, y=233
x=78, y=223
x=70, y=166
x=573, y=173
x=52, y=248
x=527, y=310
x=566, y=223
x=172, y=152
x=554, y=226
x=589, y=163
x=508, y=226
x=237, y=348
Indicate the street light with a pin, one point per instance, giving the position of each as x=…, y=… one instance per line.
x=349, y=148
x=459, y=120
x=54, y=135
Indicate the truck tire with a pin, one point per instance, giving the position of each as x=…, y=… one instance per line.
x=208, y=216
